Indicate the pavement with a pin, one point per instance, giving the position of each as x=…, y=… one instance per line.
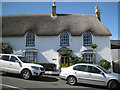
x=12, y=81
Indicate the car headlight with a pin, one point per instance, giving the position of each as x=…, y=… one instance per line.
x=34, y=67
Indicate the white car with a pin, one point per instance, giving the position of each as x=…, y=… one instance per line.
x=89, y=74
x=17, y=64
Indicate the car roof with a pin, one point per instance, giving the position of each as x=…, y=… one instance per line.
x=85, y=64
x=11, y=55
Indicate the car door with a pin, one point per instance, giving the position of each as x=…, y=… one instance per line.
x=15, y=66
x=95, y=76
x=81, y=74
x=5, y=63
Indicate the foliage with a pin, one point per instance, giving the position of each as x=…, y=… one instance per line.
x=48, y=66
x=93, y=45
x=6, y=48
x=105, y=64
x=75, y=60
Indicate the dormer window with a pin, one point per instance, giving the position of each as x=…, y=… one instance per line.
x=87, y=39
x=30, y=39
x=64, y=39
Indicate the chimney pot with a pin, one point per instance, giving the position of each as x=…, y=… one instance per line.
x=53, y=9
x=97, y=12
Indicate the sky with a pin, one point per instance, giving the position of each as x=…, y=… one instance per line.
x=109, y=11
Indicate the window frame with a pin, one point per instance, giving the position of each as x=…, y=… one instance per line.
x=92, y=70
x=80, y=70
x=84, y=57
x=30, y=42
x=34, y=56
x=4, y=59
x=62, y=37
x=88, y=39
x=14, y=57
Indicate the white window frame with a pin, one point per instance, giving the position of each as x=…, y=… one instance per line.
x=88, y=57
x=31, y=56
x=87, y=39
x=64, y=39
x=30, y=39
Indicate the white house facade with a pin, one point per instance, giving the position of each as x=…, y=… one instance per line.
x=41, y=37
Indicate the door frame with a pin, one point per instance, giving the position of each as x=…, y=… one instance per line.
x=68, y=61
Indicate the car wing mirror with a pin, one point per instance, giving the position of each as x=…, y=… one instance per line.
x=17, y=61
x=102, y=73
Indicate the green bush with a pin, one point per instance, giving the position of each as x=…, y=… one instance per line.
x=76, y=60
x=48, y=66
x=6, y=48
x=105, y=64
x=93, y=45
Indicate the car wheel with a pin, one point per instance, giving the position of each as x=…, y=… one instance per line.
x=113, y=84
x=26, y=74
x=71, y=80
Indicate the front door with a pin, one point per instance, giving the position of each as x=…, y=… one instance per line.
x=64, y=61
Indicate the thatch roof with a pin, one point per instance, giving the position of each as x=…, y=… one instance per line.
x=45, y=25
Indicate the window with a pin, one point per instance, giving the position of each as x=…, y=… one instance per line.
x=92, y=69
x=31, y=56
x=87, y=39
x=5, y=57
x=88, y=57
x=80, y=68
x=64, y=39
x=30, y=39
x=13, y=59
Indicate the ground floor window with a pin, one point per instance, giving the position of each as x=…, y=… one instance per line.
x=88, y=57
x=31, y=56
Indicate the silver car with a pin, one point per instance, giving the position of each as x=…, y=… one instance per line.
x=90, y=74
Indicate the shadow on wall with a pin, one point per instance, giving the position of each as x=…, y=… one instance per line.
x=98, y=58
x=116, y=66
x=42, y=59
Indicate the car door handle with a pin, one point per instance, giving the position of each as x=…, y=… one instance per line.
x=10, y=64
x=75, y=72
x=90, y=74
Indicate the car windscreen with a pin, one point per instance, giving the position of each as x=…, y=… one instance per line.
x=103, y=69
x=23, y=59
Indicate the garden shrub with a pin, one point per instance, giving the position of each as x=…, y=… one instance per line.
x=48, y=66
x=5, y=48
x=76, y=60
x=105, y=64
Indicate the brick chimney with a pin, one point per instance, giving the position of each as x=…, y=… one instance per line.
x=53, y=9
x=97, y=12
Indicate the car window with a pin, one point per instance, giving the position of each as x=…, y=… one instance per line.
x=13, y=59
x=80, y=68
x=5, y=57
x=93, y=69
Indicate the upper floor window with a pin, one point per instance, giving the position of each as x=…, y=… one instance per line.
x=64, y=39
x=30, y=39
x=87, y=39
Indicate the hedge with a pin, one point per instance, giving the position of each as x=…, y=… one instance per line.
x=48, y=66
x=105, y=64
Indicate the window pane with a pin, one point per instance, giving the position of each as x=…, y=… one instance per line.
x=5, y=57
x=31, y=56
x=87, y=38
x=80, y=68
x=92, y=69
x=13, y=59
x=30, y=39
x=64, y=39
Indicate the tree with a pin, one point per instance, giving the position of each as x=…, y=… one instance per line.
x=93, y=46
x=5, y=48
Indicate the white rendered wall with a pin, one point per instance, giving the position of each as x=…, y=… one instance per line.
x=47, y=47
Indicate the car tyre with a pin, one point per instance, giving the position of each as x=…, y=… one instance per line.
x=113, y=84
x=26, y=74
x=71, y=80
